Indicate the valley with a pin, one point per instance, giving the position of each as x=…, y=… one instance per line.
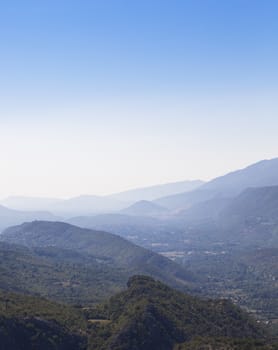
x=220, y=250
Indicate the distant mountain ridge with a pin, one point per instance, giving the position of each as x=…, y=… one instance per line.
x=92, y=204
x=10, y=217
x=145, y=208
x=84, y=204
x=250, y=218
x=260, y=202
x=261, y=174
x=29, y=203
x=153, y=192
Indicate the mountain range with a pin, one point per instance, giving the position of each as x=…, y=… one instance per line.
x=151, y=201
x=92, y=204
x=222, y=237
x=154, y=192
x=261, y=174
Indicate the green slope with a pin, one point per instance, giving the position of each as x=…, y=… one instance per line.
x=58, y=274
x=121, y=253
x=34, y=323
x=149, y=315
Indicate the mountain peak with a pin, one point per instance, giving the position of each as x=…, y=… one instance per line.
x=145, y=208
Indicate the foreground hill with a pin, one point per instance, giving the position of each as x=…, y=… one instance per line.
x=118, y=251
x=149, y=315
x=263, y=173
x=35, y=323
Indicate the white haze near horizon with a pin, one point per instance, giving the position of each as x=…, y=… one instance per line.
x=95, y=149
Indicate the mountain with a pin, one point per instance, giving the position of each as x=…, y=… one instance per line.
x=260, y=203
x=145, y=231
x=261, y=174
x=35, y=323
x=182, y=201
x=102, y=245
x=153, y=192
x=204, y=211
x=252, y=217
x=9, y=217
x=149, y=315
x=129, y=226
x=145, y=208
x=58, y=274
x=91, y=204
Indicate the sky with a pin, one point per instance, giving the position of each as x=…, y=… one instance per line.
x=101, y=96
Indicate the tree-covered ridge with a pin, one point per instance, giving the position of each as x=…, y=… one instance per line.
x=121, y=253
x=150, y=315
x=35, y=323
x=61, y=275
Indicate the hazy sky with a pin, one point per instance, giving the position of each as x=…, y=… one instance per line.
x=101, y=96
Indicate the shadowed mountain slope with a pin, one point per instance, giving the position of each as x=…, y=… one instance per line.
x=35, y=323
x=145, y=208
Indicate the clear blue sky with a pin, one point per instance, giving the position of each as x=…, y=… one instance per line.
x=101, y=96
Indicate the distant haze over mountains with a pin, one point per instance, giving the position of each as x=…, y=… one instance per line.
x=153, y=192
x=261, y=174
x=9, y=217
x=145, y=208
x=29, y=203
x=85, y=204
x=209, y=196
x=90, y=204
